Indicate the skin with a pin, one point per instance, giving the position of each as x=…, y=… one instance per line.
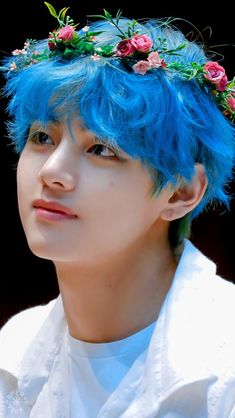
x=113, y=260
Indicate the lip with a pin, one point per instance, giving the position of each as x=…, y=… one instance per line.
x=52, y=210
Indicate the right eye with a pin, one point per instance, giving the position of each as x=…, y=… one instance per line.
x=40, y=138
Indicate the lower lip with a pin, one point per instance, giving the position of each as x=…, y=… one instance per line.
x=52, y=216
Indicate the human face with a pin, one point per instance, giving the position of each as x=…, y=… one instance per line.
x=107, y=195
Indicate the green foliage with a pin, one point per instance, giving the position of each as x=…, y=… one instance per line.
x=136, y=51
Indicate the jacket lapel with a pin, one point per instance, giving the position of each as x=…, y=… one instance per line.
x=42, y=355
x=176, y=358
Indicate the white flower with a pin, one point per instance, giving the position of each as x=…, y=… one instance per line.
x=15, y=405
x=85, y=29
x=95, y=57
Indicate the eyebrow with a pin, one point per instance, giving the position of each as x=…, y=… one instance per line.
x=37, y=125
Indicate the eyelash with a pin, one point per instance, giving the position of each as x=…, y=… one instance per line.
x=98, y=145
x=39, y=137
x=36, y=138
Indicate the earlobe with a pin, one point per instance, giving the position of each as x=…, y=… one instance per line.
x=186, y=197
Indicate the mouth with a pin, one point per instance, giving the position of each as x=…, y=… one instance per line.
x=53, y=211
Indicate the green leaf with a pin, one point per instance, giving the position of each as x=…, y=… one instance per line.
x=97, y=16
x=88, y=47
x=180, y=47
x=107, y=50
x=63, y=12
x=51, y=9
x=107, y=14
x=93, y=33
x=172, y=51
x=118, y=15
x=67, y=53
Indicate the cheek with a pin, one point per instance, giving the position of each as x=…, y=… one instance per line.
x=22, y=193
x=118, y=210
x=21, y=182
x=26, y=182
x=28, y=169
x=113, y=195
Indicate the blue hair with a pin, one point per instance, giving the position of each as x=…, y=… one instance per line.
x=165, y=121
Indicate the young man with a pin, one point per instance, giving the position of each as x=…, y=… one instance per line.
x=122, y=142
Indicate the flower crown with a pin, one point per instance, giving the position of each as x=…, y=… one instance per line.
x=136, y=50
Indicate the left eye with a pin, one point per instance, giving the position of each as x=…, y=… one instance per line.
x=100, y=149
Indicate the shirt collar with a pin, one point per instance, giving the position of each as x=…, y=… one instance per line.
x=40, y=356
x=25, y=328
x=176, y=353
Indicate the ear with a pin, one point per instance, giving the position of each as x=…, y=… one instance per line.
x=186, y=197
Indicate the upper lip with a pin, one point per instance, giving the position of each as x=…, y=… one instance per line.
x=53, y=206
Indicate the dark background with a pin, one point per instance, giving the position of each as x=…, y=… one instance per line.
x=26, y=280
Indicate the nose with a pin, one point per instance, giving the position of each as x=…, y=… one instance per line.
x=58, y=172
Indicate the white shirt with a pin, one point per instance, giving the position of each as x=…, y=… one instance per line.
x=187, y=371
x=96, y=370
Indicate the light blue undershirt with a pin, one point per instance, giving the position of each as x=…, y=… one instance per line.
x=96, y=369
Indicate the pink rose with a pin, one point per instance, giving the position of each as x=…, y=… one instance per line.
x=51, y=45
x=142, y=43
x=125, y=48
x=231, y=103
x=141, y=67
x=213, y=72
x=66, y=33
x=155, y=60
x=221, y=86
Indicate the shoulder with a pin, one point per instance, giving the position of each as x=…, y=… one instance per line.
x=203, y=307
x=216, y=302
x=217, y=326
x=27, y=320
x=219, y=342
x=210, y=288
x=223, y=308
x=223, y=295
x=19, y=332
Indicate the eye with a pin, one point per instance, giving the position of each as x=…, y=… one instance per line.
x=40, y=138
x=102, y=150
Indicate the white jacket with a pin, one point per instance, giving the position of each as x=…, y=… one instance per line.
x=188, y=370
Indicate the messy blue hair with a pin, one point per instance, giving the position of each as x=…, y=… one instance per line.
x=167, y=122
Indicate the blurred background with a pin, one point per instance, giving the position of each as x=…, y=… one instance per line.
x=26, y=280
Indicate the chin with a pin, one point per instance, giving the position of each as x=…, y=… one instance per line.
x=42, y=252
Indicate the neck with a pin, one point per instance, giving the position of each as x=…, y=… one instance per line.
x=116, y=298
